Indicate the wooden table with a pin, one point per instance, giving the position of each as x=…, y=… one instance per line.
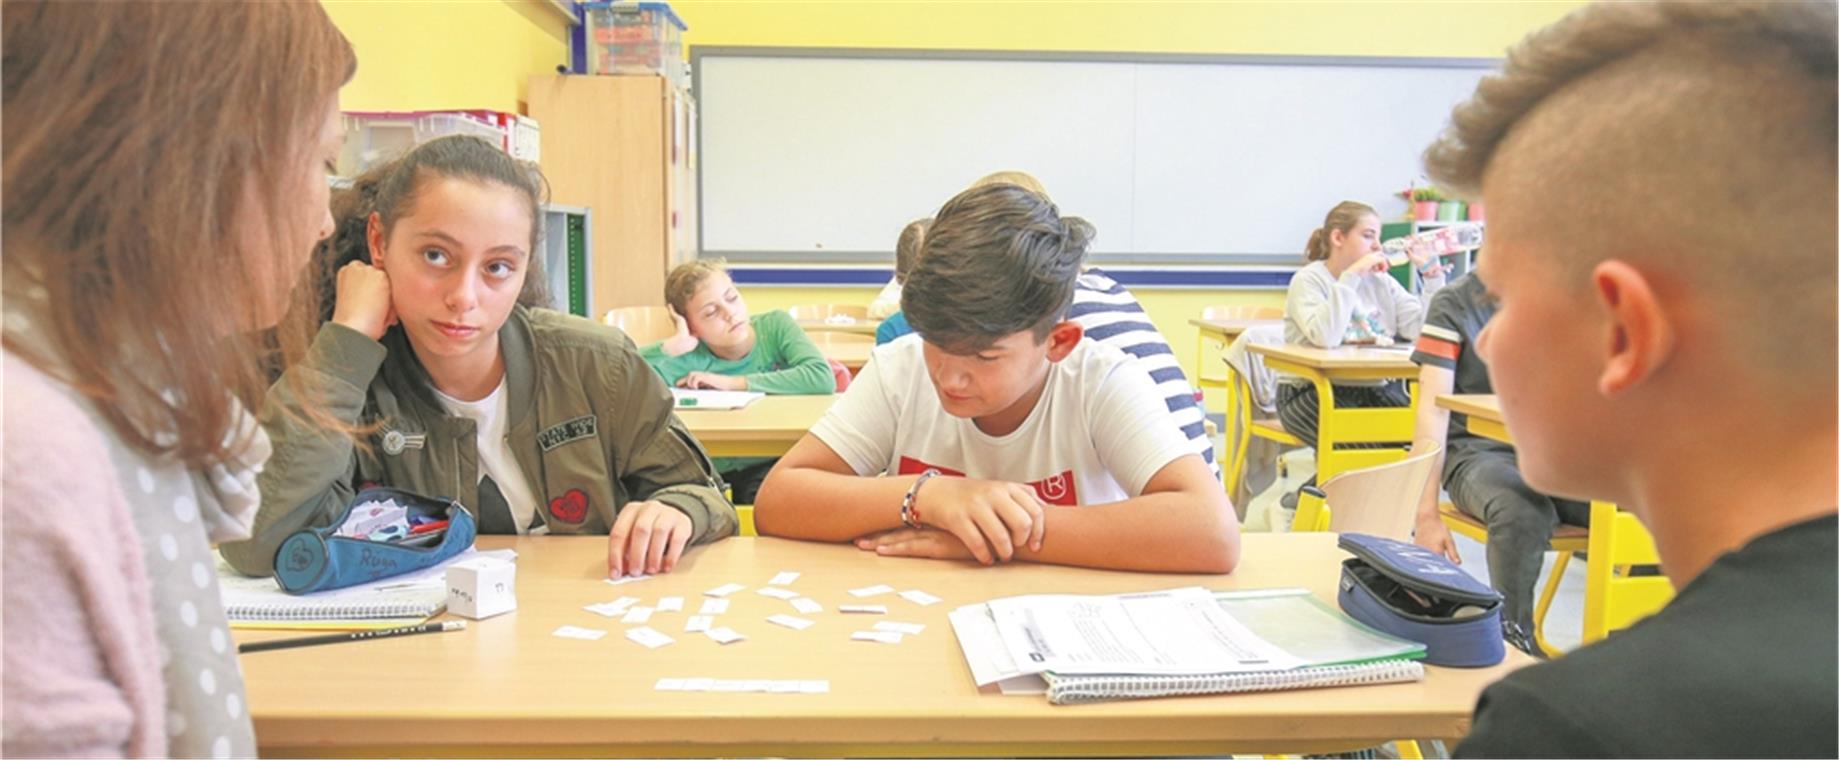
x=765, y=428
x=507, y=686
x=859, y=327
x=849, y=349
x=1223, y=332
x=1325, y=367
x=1483, y=411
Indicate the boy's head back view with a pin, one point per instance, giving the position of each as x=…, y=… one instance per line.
x=1661, y=189
x=989, y=295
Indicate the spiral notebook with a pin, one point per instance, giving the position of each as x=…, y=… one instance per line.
x=1282, y=639
x=400, y=600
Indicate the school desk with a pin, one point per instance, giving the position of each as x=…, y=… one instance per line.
x=1325, y=367
x=507, y=686
x=857, y=327
x=1224, y=332
x=849, y=349
x=765, y=428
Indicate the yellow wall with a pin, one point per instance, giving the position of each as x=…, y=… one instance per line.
x=416, y=56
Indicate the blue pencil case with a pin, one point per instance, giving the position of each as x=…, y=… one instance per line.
x=319, y=559
x=1414, y=593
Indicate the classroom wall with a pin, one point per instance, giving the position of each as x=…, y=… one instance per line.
x=425, y=56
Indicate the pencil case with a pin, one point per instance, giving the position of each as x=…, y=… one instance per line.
x=318, y=559
x=1414, y=593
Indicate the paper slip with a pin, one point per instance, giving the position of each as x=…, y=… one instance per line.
x=648, y=637
x=814, y=687
x=782, y=687
x=863, y=609
x=627, y=579
x=920, y=598
x=794, y=623
x=807, y=606
x=758, y=684
x=723, y=590
x=777, y=593
x=713, y=607
x=783, y=579
x=906, y=628
x=724, y=635
x=584, y=634
x=722, y=684
x=737, y=686
x=670, y=604
x=614, y=608
x=671, y=684
x=698, y=684
x=698, y=624
x=885, y=637
x=637, y=615
x=868, y=591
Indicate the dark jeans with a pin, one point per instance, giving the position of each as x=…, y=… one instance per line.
x=1485, y=483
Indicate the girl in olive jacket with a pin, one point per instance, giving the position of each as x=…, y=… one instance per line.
x=442, y=380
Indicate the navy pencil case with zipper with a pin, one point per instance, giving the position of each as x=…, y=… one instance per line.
x=318, y=559
x=1414, y=593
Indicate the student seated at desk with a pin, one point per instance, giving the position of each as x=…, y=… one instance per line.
x=1672, y=350
x=906, y=250
x=1482, y=474
x=719, y=346
x=1002, y=433
x=434, y=356
x=1345, y=296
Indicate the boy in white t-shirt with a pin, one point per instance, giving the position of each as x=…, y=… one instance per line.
x=977, y=437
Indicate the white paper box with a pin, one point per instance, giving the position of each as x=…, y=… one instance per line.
x=480, y=588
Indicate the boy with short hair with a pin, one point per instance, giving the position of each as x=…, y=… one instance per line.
x=996, y=415
x=1670, y=346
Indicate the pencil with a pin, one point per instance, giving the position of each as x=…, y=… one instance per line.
x=334, y=638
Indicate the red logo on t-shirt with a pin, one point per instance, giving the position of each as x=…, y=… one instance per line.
x=1058, y=490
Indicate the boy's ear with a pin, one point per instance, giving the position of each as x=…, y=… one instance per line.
x=373, y=234
x=1641, y=333
x=1062, y=339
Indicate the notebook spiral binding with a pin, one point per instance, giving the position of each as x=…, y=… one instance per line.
x=1075, y=689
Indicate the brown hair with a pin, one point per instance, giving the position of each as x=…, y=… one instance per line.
x=997, y=259
x=681, y=284
x=141, y=143
x=907, y=248
x=1023, y=180
x=389, y=191
x=1341, y=218
x=1716, y=122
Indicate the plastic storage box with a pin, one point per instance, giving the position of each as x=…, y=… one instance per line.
x=372, y=137
x=635, y=38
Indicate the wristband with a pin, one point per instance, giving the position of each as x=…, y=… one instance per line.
x=909, y=507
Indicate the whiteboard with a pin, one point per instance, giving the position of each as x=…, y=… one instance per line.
x=811, y=156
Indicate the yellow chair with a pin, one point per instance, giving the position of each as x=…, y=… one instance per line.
x=1566, y=540
x=1241, y=427
x=643, y=324
x=1614, y=599
x=1380, y=500
x=818, y=316
x=745, y=512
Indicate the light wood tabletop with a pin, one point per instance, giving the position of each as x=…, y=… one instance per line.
x=1484, y=413
x=857, y=327
x=1345, y=361
x=765, y=428
x=1225, y=330
x=507, y=686
x=850, y=349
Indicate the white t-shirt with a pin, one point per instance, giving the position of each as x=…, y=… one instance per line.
x=488, y=415
x=1097, y=435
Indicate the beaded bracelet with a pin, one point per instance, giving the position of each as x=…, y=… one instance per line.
x=909, y=510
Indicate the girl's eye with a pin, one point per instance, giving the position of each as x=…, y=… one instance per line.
x=434, y=256
x=499, y=269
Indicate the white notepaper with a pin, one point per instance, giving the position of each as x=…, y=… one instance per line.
x=807, y=606
x=713, y=607
x=777, y=593
x=906, y=628
x=670, y=604
x=885, y=637
x=637, y=615
x=584, y=634
x=648, y=637
x=783, y=579
x=724, y=635
x=868, y=591
x=863, y=609
x=920, y=598
x=1174, y=632
x=698, y=624
x=794, y=623
x=723, y=590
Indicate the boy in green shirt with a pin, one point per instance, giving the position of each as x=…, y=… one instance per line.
x=719, y=346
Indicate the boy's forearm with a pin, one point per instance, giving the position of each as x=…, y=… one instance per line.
x=813, y=504
x=1169, y=532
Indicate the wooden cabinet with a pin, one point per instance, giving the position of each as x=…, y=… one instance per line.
x=621, y=146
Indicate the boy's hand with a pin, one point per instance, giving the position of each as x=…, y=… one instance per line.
x=362, y=300
x=712, y=381
x=1432, y=534
x=647, y=537
x=682, y=342
x=907, y=542
x=990, y=518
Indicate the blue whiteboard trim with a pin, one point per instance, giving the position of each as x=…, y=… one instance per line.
x=872, y=277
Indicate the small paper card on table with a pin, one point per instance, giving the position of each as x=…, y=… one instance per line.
x=868, y=591
x=807, y=606
x=906, y=628
x=794, y=623
x=698, y=624
x=783, y=579
x=713, y=607
x=863, y=609
x=648, y=637
x=670, y=604
x=725, y=635
x=885, y=637
x=919, y=597
x=584, y=634
x=777, y=593
x=723, y=590
x=637, y=615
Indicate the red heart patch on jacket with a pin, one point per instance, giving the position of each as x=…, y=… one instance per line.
x=570, y=507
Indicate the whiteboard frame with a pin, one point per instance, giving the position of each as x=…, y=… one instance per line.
x=842, y=258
